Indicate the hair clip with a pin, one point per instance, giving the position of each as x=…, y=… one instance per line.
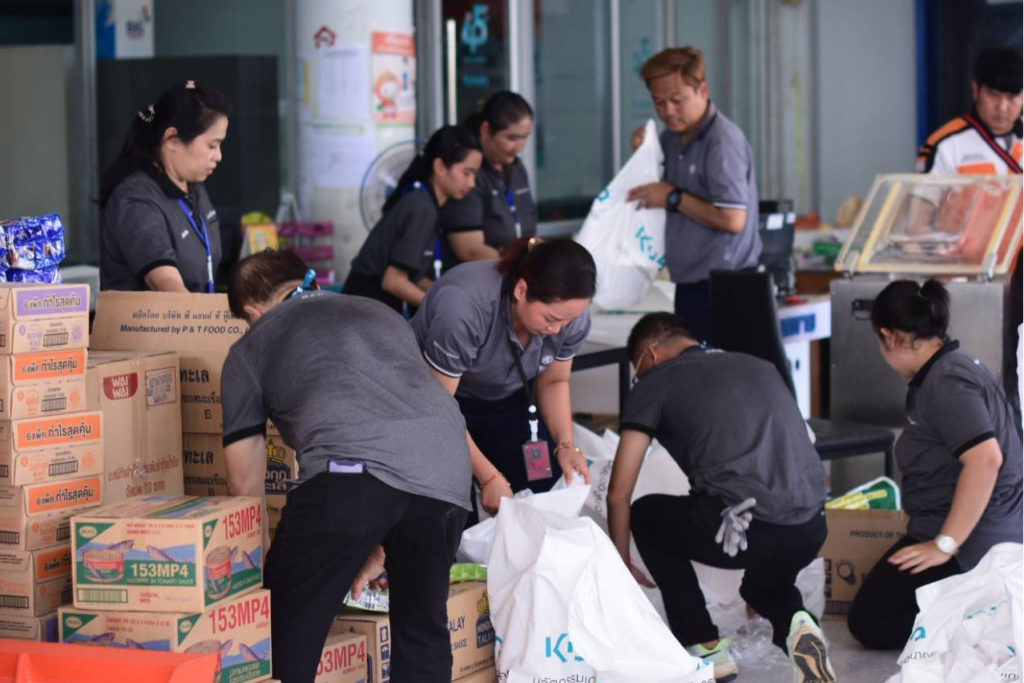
x=534, y=241
x=147, y=114
x=306, y=283
x=190, y=85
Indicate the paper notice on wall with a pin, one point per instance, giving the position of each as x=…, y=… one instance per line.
x=343, y=75
x=341, y=159
x=394, y=78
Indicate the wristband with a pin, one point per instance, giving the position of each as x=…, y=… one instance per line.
x=568, y=444
x=489, y=480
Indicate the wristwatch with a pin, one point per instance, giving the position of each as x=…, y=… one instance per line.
x=672, y=203
x=946, y=544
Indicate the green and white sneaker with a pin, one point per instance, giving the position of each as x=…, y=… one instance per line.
x=808, y=652
x=720, y=658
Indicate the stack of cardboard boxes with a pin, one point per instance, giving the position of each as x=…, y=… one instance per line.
x=51, y=450
x=178, y=574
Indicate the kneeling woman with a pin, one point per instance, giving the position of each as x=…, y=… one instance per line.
x=501, y=336
x=960, y=455
x=403, y=251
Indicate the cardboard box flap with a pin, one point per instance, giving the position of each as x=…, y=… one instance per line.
x=162, y=321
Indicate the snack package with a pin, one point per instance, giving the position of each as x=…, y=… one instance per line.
x=881, y=493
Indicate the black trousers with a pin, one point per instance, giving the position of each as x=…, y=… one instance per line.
x=328, y=529
x=672, y=530
x=883, y=611
x=693, y=305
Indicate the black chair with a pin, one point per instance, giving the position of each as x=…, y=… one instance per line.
x=744, y=318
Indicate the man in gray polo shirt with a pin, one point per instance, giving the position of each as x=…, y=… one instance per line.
x=709, y=190
x=383, y=456
x=731, y=424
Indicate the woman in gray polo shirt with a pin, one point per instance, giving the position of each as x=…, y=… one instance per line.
x=960, y=456
x=401, y=257
x=501, y=336
x=500, y=208
x=160, y=230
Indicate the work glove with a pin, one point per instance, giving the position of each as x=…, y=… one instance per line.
x=732, y=534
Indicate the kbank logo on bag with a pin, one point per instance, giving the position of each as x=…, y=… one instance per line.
x=560, y=648
x=647, y=247
x=920, y=633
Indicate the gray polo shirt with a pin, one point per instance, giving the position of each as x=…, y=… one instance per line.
x=405, y=237
x=953, y=404
x=718, y=167
x=487, y=207
x=341, y=376
x=143, y=226
x=464, y=328
x=735, y=430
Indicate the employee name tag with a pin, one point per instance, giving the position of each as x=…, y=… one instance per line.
x=345, y=466
x=538, y=460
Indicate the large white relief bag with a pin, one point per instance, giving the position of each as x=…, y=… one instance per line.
x=970, y=626
x=627, y=245
x=564, y=607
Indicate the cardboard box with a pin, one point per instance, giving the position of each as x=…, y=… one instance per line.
x=138, y=394
x=167, y=553
x=488, y=675
x=27, y=597
x=67, y=497
x=42, y=628
x=377, y=629
x=49, y=449
x=343, y=659
x=38, y=565
x=469, y=622
x=19, y=531
x=856, y=540
x=206, y=471
x=44, y=383
x=43, y=317
x=237, y=628
x=199, y=326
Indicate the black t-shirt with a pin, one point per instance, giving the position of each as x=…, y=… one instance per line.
x=144, y=225
x=735, y=430
x=404, y=237
x=953, y=404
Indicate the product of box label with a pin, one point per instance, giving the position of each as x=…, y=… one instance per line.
x=167, y=553
x=43, y=629
x=199, y=326
x=856, y=540
x=377, y=630
x=38, y=565
x=206, y=471
x=343, y=659
x=43, y=317
x=26, y=596
x=47, y=449
x=469, y=622
x=238, y=629
x=138, y=394
x=45, y=383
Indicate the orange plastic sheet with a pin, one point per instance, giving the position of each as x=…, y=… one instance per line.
x=23, y=661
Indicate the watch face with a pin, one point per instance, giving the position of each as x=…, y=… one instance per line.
x=946, y=544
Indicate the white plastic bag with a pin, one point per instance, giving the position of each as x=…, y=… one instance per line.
x=476, y=541
x=563, y=604
x=969, y=628
x=627, y=245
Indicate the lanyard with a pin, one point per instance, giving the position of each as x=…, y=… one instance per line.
x=1010, y=162
x=531, y=390
x=204, y=236
x=511, y=198
x=437, y=242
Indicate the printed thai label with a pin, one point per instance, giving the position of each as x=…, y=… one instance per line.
x=63, y=495
x=55, y=431
x=49, y=365
x=49, y=301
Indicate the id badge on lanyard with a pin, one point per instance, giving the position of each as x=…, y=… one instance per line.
x=204, y=237
x=536, y=454
x=510, y=196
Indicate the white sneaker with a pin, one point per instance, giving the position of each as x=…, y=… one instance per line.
x=719, y=656
x=808, y=652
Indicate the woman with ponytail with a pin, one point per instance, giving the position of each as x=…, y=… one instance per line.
x=500, y=336
x=401, y=257
x=501, y=207
x=959, y=454
x=159, y=229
